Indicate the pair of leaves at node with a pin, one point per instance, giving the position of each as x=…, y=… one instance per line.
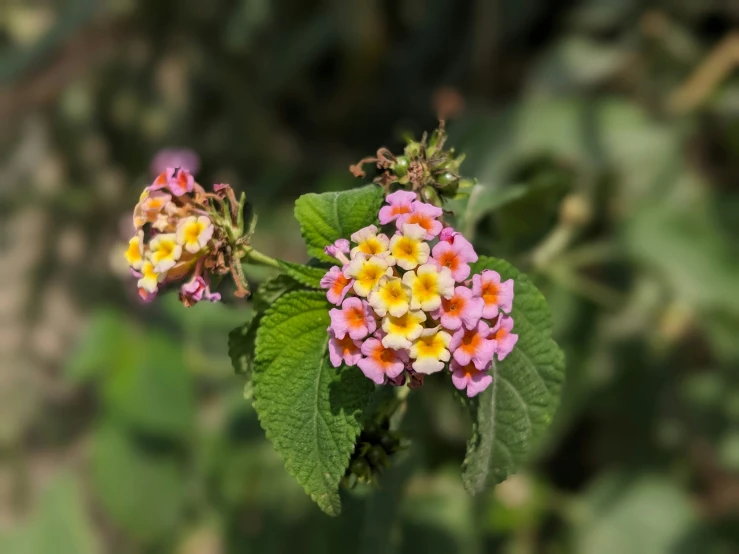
x=312, y=412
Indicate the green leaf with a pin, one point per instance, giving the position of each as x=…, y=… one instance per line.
x=241, y=342
x=326, y=217
x=269, y=291
x=512, y=414
x=310, y=410
x=242, y=339
x=304, y=274
x=142, y=492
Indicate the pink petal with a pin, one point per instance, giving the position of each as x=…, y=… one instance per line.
x=372, y=370
x=401, y=197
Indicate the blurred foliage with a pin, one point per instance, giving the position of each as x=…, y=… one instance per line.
x=604, y=136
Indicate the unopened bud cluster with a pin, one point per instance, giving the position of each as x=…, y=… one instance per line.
x=424, y=167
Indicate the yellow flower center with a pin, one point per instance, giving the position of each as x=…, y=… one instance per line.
x=430, y=347
x=192, y=232
x=371, y=246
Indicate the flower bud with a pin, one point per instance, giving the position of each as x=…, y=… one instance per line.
x=400, y=166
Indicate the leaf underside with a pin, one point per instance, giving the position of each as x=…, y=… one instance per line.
x=509, y=418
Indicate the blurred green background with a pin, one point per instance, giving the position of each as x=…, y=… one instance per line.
x=605, y=137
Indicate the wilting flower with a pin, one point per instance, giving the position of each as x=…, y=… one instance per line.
x=399, y=204
x=337, y=284
x=355, y=318
x=195, y=290
x=430, y=351
x=496, y=295
x=503, y=336
x=470, y=378
x=178, y=240
x=473, y=345
x=381, y=363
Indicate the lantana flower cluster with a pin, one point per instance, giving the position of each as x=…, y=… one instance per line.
x=180, y=236
x=407, y=305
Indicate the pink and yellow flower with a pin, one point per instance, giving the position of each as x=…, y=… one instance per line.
x=135, y=251
x=400, y=332
x=473, y=345
x=503, y=336
x=424, y=215
x=150, y=207
x=496, y=295
x=195, y=290
x=178, y=181
x=367, y=272
x=463, y=308
x=390, y=296
x=470, y=378
x=150, y=277
x=428, y=285
x=399, y=204
x=346, y=350
x=381, y=363
x=456, y=255
x=337, y=285
x=338, y=250
x=165, y=251
x=355, y=318
x=369, y=242
x=408, y=248
x=193, y=233
x=430, y=351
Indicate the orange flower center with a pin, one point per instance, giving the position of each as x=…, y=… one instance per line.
x=490, y=293
x=453, y=306
x=470, y=342
x=422, y=220
x=346, y=345
x=450, y=260
x=355, y=318
x=339, y=284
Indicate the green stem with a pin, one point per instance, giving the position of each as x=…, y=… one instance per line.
x=256, y=257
